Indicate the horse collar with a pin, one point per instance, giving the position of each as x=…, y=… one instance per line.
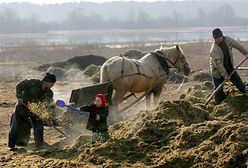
x=161, y=54
x=162, y=61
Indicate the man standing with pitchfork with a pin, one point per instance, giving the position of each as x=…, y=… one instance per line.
x=221, y=63
x=28, y=91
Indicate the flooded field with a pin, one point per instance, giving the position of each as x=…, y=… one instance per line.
x=123, y=35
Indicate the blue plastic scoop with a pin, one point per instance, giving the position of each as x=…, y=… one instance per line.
x=61, y=103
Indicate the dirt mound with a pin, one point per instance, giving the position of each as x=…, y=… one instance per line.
x=176, y=134
x=95, y=78
x=59, y=72
x=174, y=127
x=148, y=124
x=84, y=61
x=134, y=54
x=145, y=134
x=201, y=76
x=182, y=133
x=234, y=107
x=74, y=75
x=93, y=71
x=208, y=144
x=79, y=62
x=198, y=93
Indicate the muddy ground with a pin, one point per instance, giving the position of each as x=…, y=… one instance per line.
x=180, y=132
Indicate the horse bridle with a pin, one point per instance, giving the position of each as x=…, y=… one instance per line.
x=161, y=54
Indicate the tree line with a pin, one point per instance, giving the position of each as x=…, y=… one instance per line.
x=79, y=20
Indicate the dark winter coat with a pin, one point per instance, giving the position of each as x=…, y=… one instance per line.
x=22, y=120
x=93, y=124
x=31, y=91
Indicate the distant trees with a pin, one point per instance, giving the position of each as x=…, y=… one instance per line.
x=8, y=20
x=78, y=19
x=11, y=23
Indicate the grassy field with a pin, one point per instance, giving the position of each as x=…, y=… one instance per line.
x=32, y=53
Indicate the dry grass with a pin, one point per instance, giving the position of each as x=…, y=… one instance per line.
x=34, y=52
x=42, y=110
x=31, y=52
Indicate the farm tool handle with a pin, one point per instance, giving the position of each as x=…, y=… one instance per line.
x=218, y=88
x=61, y=103
x=143, y=95
x=74, y=109
x=51, y=125
x=133, y=103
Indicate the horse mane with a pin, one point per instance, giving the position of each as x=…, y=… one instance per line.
x=167, y=50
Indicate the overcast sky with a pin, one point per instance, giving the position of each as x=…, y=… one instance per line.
x=64, y=1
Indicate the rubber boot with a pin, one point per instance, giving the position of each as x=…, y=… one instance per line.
x=94, y=137
x=104, y=136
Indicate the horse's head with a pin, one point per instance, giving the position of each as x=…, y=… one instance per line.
x=176, y=59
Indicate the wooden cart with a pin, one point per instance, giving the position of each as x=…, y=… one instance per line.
x=85, y=95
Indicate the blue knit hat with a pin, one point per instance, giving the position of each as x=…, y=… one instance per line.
x=49, y=77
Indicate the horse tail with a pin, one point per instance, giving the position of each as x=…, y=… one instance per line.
x=104, y=73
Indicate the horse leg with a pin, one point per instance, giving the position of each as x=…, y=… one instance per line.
x=116, y=100
x=148, y=101
x=156, y=94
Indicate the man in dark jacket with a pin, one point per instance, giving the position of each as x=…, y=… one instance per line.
x=29, y=91
x=97, y=121
x=221, y=63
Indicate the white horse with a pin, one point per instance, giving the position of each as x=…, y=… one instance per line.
x=143, y=75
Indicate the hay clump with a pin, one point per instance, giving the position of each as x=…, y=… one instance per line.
x=208, y=144
x=232, y=109
x=137, y=141
x=45, y=111
x=168, y=116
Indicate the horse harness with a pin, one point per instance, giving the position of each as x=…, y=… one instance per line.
x=137, y=66
x=133, y=74
x=163, y=61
